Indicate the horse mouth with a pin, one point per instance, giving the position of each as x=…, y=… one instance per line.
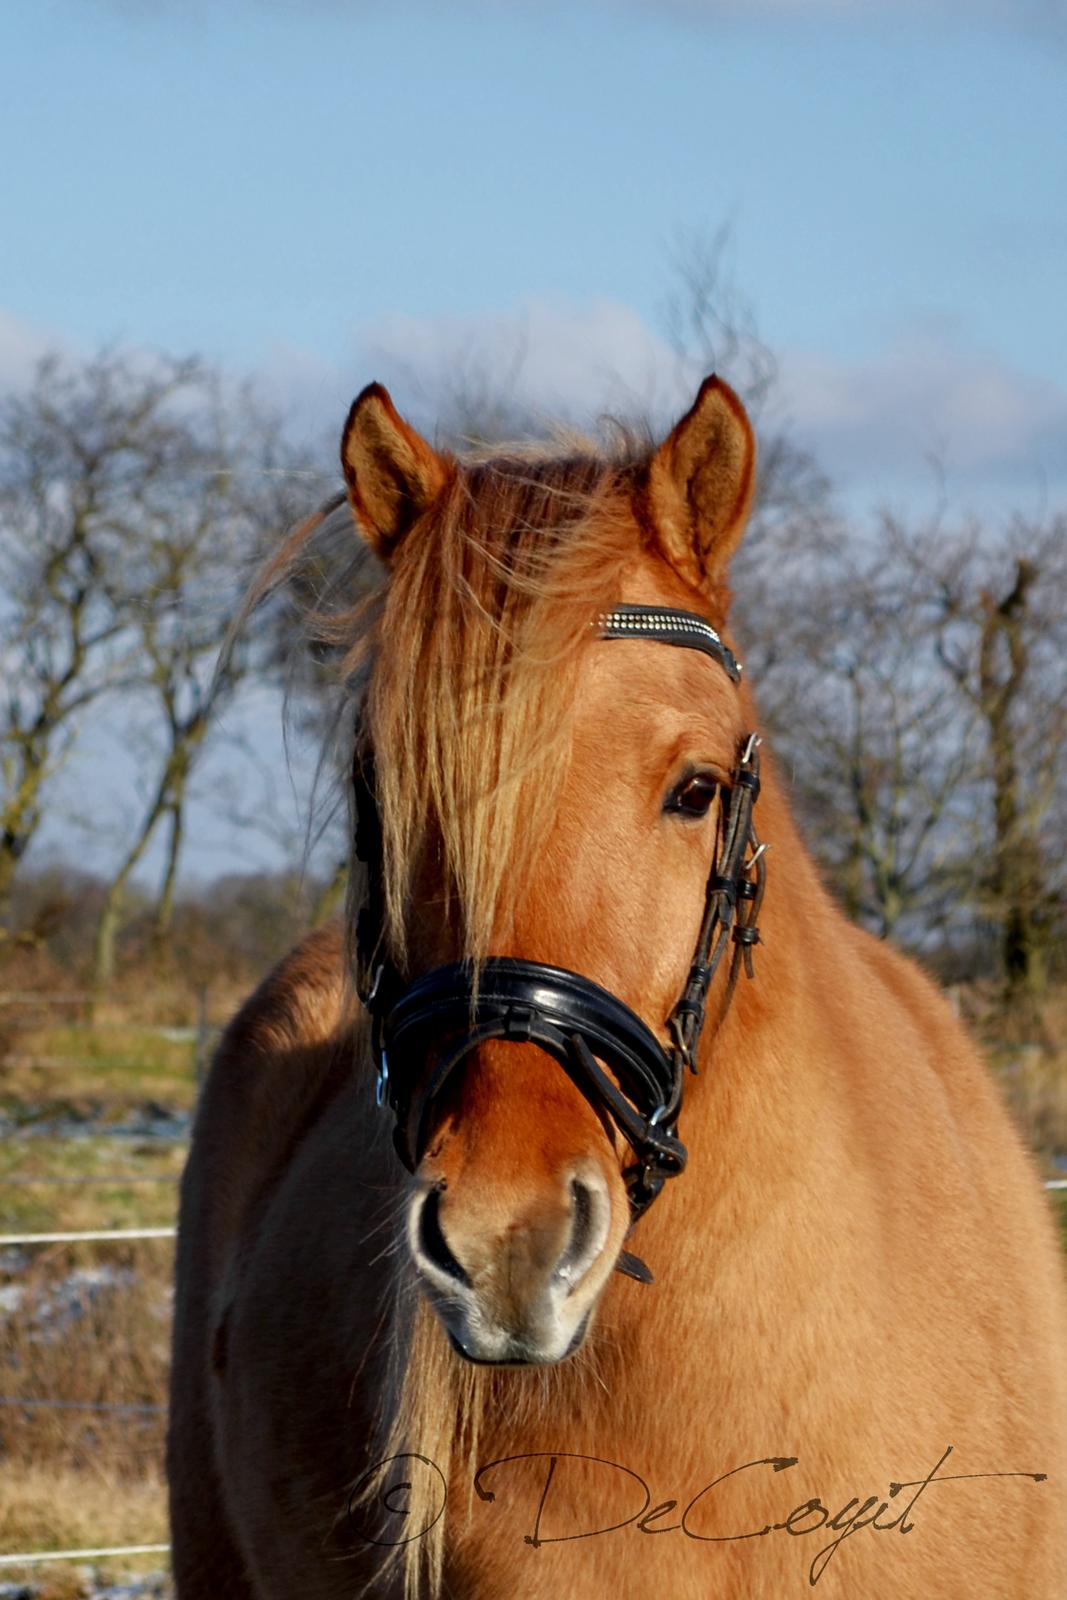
x=522, y=1354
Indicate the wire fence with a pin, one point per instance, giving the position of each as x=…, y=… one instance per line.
x=88, y=1234
x=22, y=1011
x=109, y=1407
x=25, y=1006
x=48, y=1405
x=39, y=1557
x=113, y=1179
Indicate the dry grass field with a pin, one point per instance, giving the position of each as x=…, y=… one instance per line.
x=96, y=1118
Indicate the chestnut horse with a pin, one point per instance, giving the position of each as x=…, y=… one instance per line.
x=850, y=1370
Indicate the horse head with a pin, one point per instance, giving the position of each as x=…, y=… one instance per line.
x=547, y=806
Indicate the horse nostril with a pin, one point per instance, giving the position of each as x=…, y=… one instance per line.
x=575, y=1257
x=432, y=1241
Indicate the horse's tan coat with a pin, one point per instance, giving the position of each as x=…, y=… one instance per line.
x=858, y=1268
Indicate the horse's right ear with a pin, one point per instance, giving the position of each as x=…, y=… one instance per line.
x=393, y=475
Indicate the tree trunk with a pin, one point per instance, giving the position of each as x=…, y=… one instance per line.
x=1017, y=871
x=332, y=895
x=107, y=927
x=164, y=915
x=8, y=863
x=106, y=934
x=19, y=818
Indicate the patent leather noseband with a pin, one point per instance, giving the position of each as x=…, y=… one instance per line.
x=423, y=1032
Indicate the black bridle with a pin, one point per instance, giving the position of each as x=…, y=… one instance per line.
x=422, y=1032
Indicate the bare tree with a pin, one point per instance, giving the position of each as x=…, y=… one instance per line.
x=711, y=325
x=82, y=453
x=227, y=498
x=915, y=683
x=996, y=609
x=881, y=759
x=796, y=539
x=136, y=497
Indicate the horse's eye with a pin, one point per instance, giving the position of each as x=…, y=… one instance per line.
x=693, y=796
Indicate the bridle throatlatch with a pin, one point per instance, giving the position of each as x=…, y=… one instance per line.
x=422, y=1032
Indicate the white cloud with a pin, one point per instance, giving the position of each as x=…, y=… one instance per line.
x=552, y=358
x=929, y=394
x=22, y=344
x=873, y=423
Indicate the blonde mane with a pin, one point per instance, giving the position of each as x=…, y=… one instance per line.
x=457, y=665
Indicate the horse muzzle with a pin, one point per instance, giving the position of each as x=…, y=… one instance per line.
x=514, y=1274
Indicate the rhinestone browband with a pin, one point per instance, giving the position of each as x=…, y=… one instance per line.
x=668, y=626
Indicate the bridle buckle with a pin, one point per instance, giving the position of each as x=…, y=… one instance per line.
x=375, y=985
x=381, y=1082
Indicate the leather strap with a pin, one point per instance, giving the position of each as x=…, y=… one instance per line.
x=569, y=1017
x=666, y=625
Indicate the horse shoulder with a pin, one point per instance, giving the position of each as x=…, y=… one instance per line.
x=286, y=1053
x=974, y=1170
x=941, y=1047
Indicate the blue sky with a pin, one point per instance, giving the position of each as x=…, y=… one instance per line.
x=321, y=193
x=307, y=190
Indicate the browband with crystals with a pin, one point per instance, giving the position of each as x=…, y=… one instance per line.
x=669, y=626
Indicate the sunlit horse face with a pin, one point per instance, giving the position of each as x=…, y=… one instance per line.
x=519, y=1209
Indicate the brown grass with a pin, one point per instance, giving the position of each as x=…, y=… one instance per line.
x=78, y=1479
x=74, y=1478
x=102, y=1072
x=1032, y=1074
x=31, y=1201
x=53, y=1507
x=1035, y=1085
x=101, y=1340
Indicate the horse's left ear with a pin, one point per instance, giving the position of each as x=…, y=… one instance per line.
x=393, y=475
x=700, y=486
